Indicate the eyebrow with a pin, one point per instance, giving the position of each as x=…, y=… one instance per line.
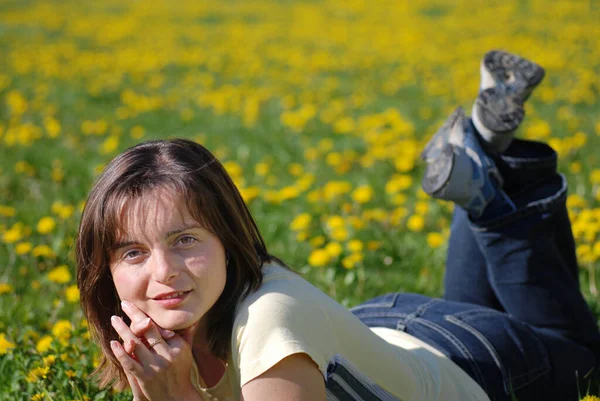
x=128, y=242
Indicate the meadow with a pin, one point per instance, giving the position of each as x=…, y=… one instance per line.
x=319, y=111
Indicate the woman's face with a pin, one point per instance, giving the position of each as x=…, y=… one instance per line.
x=166, y=262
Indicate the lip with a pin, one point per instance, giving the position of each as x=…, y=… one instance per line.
x=169, y=302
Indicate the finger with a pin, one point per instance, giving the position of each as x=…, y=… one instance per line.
x=134, y=384
x=141, y=352
x=142, y=326
x=127, y=362
x=136, y=315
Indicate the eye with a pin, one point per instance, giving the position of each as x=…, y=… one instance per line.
x=186, y=240
x=132, y=254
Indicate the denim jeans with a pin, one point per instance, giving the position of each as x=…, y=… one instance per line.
x=512, y=316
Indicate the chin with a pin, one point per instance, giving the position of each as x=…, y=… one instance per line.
x=175, y=320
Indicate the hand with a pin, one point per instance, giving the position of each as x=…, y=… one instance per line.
x=157, y=362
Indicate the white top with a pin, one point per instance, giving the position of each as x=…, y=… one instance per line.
x=287, y=315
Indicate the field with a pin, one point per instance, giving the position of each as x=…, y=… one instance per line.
x=318, y=109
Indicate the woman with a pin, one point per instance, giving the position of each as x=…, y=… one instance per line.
x=187, y=304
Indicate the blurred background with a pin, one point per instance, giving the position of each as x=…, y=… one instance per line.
x=319, y=111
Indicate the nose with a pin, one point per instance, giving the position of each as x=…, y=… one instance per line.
x=163, y=267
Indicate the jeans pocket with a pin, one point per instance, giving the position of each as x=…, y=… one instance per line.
x=503, y=344
x=391, y=310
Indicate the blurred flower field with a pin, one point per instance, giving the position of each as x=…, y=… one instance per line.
x=318, y=109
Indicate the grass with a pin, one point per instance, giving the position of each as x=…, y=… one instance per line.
x=318, y=109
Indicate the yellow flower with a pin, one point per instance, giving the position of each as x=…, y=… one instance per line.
x=319, y=258
x=415, y=223
x=261, y=169
x=5, y=288
x=46, y=225
x=14, y=234
x=38, y=396
x=70, y=374
x=7, y=211
x=109, y=145
x=72, y=294
x=362, y=194
x=249, y=193
x=590, y=398
x=5, y=345
x=296, y=169
x=335, y=221
x=44, y=251
x=62, y=330
x=317, y=241
x=301, y=222
x=44, y=344
x=339, y=234
x=373, y=245
x=137, y=132
x=334, y=249
x=59, y=274
x=23, y=248
x=435, y=240
x=49, y=360
x=355, y=245
x=352, y=260
x=36, y=374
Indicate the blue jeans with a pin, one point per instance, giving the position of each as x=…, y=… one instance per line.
x=512, y=316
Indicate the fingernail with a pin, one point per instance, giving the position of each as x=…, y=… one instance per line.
x=113, y=345
x=126, y=305
x=115, y=319
x=168, y=333
x=145, y=322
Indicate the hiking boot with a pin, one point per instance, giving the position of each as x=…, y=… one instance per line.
x=518, y=76
x=458, y=169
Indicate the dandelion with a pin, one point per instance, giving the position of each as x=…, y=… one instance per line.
x=334, y=249
x=301, y=222
x=319, y=258
x=5, y=345
x=14, y=234
x=62, y=330
x=352, y=260
x=109, y=145
x=249, y=193
x=435, y=240
x=340, y=234
x=72, y=294
x=38, y=396
x=70, y=374
x=46, y=225
x=60, y=274
x=44, y=344
x=362, y=194
x=415, y=223
x=355, y=246
x=590, y=398
x=23, y=248
x=317, y=241
x=43, y=251
x=7, y=211
x=37, y=374
x=261, y=169
x=5, y=288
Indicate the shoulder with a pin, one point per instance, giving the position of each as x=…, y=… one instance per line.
x=285, y=316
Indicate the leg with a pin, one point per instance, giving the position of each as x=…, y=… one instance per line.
x=532, y=273
x=503, y=355
x=466, y=277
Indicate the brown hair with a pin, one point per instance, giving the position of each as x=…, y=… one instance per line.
x=192, y=172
